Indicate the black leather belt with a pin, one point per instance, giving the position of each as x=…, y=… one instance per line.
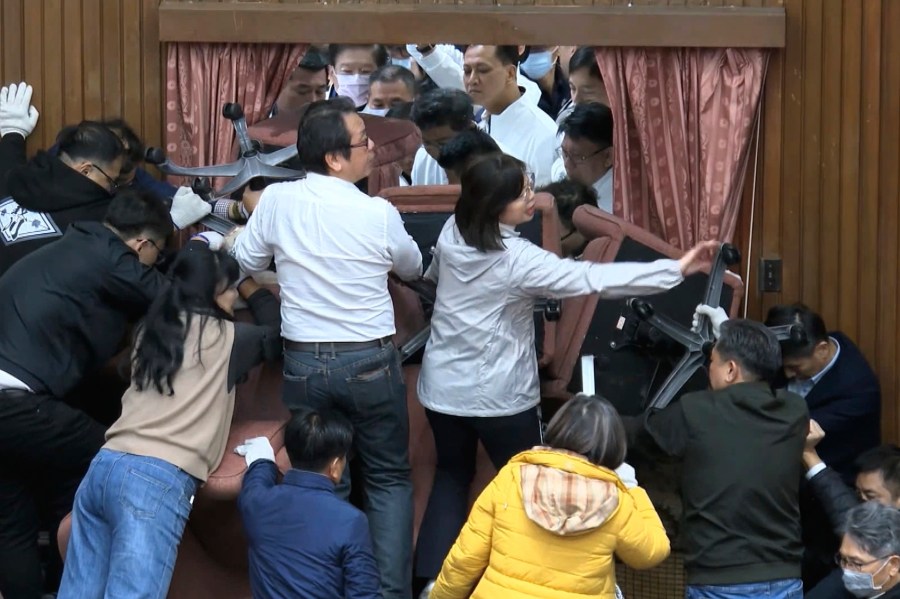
x=334, y=346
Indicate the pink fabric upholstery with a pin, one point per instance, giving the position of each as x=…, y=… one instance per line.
x=684, y=119
x=606, y=233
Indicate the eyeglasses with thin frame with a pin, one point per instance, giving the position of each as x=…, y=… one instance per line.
x=363, y=144
x=855, y=566
x=577, y=159
x=159, y=253
x=113, y=186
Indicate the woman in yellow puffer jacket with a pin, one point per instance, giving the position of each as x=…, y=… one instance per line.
x=552, y=521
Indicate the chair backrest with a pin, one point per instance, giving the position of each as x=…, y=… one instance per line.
x=395, y=141
x=588, y=324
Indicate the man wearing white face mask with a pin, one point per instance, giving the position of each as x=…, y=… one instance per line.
x=351, y=67
x=870, y=552
x=389, y=86
x=542, y=67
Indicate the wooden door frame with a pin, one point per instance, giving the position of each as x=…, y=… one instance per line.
x=639, y=26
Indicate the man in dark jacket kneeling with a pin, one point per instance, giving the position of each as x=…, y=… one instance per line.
x=304, y=540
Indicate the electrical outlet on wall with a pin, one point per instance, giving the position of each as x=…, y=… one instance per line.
x=770, y=275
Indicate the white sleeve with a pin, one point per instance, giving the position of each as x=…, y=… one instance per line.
x=537, y=272
x=402, y=249
x=432, y=272
x=252, y=248
x=812, y=472
x=443, y=65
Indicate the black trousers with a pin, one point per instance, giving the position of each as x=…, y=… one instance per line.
x=456, y=440
x=46, y=447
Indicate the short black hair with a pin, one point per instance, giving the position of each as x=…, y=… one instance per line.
x=313, y=438
x=507, y=54
x=379, y=52
x=884, y=459
x=313, y=60
x=464, y=147
x=392, y=73
x=589, y=426
x=812, y=324
x=134, y=146
x=322, y=131
x=488, y=185
x=592, y=121
x=444, y=107
x=569, y=195
x=91, y=141
x=753, y=346
x=134, y=212
x=585, y=57
x=402, y=110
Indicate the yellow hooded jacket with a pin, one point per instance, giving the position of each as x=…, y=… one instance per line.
x=548, y=526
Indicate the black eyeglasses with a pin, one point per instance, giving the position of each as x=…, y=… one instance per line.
x=578, y=159
x=846, y=564
x=160, y=256
x=113, y=186
x=363, y=144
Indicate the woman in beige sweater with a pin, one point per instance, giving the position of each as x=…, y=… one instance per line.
x=131, y=508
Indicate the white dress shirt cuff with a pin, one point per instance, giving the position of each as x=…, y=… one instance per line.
x=812, y=472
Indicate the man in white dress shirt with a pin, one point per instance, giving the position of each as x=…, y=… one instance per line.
x=518, y=125
x=439, y=114
x=333, y=248
x=586, y=153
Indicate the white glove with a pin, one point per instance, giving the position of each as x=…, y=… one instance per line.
x=257, y=448
x=716, y=317
x=188, y=208
x=627, y=475
x=213, y=240
x=17, y=115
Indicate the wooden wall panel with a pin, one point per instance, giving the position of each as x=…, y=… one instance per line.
x=87, y=59
x=828, y=189
x=827, y=175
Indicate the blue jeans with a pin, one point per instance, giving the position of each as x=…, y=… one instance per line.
x=128, y=519
x=790, y=588
x=367, y=386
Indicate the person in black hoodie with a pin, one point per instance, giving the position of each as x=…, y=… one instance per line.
x=75, y=181
x=42, y=197
x=64, y=313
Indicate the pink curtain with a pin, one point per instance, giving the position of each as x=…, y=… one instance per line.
x=201, y=78
x=684, y=119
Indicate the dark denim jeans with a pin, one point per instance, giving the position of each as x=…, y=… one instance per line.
x=367, y=386
x=790, y=588
x=456, y=441
x=129, y=515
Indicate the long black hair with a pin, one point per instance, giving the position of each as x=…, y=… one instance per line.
x=197, y=277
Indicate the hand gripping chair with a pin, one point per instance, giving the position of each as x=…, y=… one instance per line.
x=606, y=328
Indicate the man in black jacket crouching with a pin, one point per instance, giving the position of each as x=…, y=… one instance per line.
x=64, y=312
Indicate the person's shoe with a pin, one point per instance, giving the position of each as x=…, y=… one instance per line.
x=426, y=592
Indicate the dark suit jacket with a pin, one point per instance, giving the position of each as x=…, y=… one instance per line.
x=846, y=403
x=304, y=541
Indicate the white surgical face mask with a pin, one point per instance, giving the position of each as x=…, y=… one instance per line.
x=375, y=111
x=862, y=584
x=537, y=64
x=402, y=62
x=355, y=87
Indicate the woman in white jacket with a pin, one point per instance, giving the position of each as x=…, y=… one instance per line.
x=479, y=377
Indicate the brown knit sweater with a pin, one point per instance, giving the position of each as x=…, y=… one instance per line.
x=189, y=428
